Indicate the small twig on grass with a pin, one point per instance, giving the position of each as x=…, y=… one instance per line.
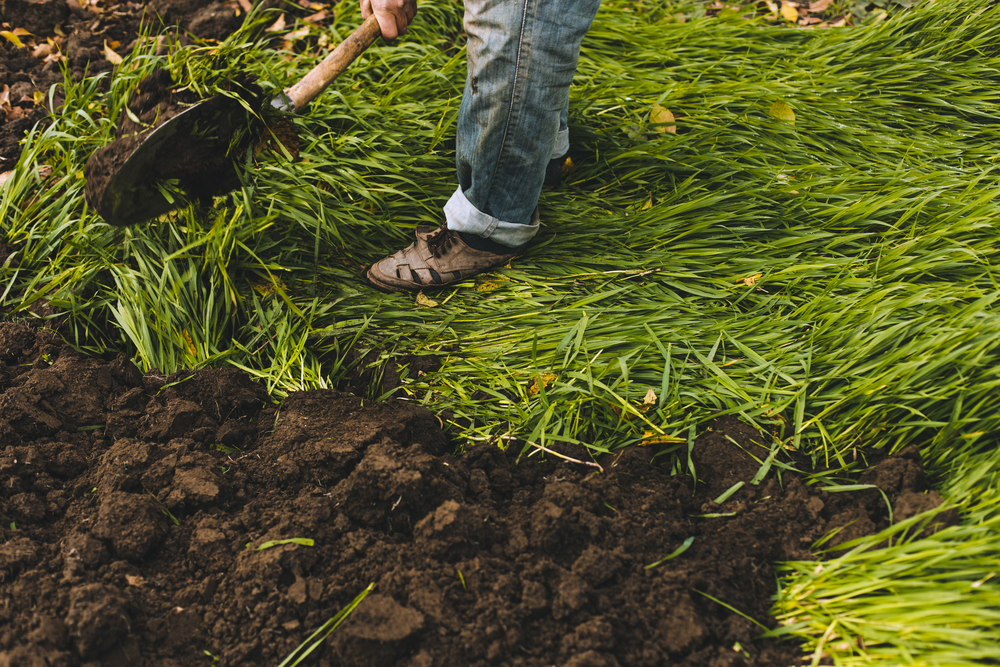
x=592, y=464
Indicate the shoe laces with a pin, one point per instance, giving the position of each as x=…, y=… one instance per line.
x=440, y=241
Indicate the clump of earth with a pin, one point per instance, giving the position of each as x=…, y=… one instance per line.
x=150, y=520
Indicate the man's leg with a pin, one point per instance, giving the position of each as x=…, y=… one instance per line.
x=522, y=55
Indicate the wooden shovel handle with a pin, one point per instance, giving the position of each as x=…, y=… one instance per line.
x=321, y=76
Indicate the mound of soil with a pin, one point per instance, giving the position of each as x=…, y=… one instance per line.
x=142, y=521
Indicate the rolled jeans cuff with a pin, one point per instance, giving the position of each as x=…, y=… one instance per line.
x=561, y=146
x=462, y=216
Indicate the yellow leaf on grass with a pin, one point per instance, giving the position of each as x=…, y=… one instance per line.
x=789, y=12
x=662, y=119
x=782, y=111
x=12, y=38
x=750, y=281
x=190, y=343
x=539, y=382
x=648, y=204
x=110, y=55
x=424, y=301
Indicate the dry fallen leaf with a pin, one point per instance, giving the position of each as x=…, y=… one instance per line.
x=819, y=6
x=648, y=205
x=277, y=25
x=42, y=51
x=789, y=12
x=245, y=4
x=110, y=55
x=649, y=398
x=424, y=301
x=317, y=17
x=294, y=36
x=540, y=382
x=750, y=281
x=662, y=119
x=12, y=38
x=782, y=111
x=5, y=176
x=134, y=580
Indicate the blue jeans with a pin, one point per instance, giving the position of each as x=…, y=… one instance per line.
x=522, y=56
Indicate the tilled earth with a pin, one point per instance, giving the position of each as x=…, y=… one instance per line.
x=135, y=510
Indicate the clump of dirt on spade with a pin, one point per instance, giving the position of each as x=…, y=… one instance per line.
x=199, y=159
x=146, y=520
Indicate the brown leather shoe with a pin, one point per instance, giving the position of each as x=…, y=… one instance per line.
x=436, y=259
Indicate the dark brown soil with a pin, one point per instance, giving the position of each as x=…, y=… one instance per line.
x=133, y=509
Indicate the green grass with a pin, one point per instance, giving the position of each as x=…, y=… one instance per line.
x=866, y=227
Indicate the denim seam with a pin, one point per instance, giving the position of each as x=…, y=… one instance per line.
x=514, y=90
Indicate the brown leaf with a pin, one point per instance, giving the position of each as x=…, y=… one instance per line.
x=6, y=176
x=750, y=281
x=245, y=4
x=42, y=50
x=818, y=6
x=317, y=17
x=277, y=25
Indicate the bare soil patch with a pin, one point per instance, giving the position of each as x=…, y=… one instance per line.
x=133, y=508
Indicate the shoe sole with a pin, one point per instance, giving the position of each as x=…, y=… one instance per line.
x=377, y=284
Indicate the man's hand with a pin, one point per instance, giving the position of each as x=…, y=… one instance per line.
x=393, y=15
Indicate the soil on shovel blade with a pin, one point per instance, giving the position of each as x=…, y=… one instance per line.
x=148, y=520
x=202, y=167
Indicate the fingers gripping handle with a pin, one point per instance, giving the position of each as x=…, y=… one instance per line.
x=321, y=76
